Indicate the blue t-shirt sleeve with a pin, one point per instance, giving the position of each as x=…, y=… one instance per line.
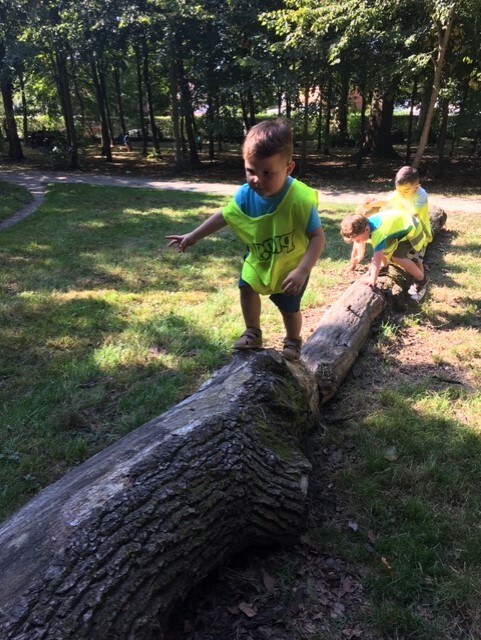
x=374, y=222
x=420, y=198
x=314, y=221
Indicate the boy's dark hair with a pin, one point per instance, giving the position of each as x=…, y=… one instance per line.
x=406, y=175
x=353, y=225
x=268, y=138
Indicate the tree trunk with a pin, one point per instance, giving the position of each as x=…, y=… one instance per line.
x=104, y=127
x=120, y=104
x=443, y=41
x=327, y=119
x=187, y=113
x=252, y=107
x=107, y=552
x=244, y=112
x=140, y=98
x=211, y=126
x=362, y=134
x=14, y=147
x=67, y=109
x=407, y=157
x=150, y=102
x=381, y=123
x=305, y=127
x=174, y=91
x=342, y=107
x=21, y=81
x=439, y=173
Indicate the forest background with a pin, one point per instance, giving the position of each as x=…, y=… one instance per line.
x=79, y=73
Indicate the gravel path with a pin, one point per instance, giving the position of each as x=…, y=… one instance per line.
x=36, y=182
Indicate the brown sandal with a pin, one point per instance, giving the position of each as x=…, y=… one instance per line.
x=250, y=339
x=292, y=349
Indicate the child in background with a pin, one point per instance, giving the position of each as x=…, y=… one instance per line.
x=276, y=217
x=396, y=236
x=408, y=195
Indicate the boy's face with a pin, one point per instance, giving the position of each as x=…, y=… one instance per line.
x=267, y=176
x=407, y=190
x=360, y=238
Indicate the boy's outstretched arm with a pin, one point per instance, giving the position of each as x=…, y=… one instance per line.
x=209, y=226
x=296, y=278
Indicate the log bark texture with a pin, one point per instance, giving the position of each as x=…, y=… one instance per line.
x=108, y=551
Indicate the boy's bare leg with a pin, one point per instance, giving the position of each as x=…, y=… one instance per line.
x=293, y=324
x=417, y=271
x=250, y=302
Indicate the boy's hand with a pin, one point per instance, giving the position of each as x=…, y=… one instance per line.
x=353, y=264
x=182, y=242
x=294, y=282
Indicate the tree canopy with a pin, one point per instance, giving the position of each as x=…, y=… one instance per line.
x=101, y=67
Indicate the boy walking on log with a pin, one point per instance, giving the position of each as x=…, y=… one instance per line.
x=396, y=236
x=276, y=217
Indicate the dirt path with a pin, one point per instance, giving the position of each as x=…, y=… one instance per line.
x=36, y=182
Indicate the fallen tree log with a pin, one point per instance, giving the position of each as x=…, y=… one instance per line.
x=335, y=345
x=106, y=552
x=109, y=549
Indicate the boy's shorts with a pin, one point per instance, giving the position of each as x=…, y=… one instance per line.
x=285, y=303
x=405, y=249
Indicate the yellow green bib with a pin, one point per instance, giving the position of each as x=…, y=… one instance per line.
x=276, y=241
x=422, y=212
x=397, y=226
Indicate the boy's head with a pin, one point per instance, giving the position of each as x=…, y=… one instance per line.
x=406, y=181
x=267, y=153
x=355, y=227
x=269, y=138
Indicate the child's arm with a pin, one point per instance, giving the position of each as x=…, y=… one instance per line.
x=372, y=204
x=209, y=226
x=376, y=262
x=295, y=279
x=357, y=254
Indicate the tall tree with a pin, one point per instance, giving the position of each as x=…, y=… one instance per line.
x=10, y=28
x=443, y=15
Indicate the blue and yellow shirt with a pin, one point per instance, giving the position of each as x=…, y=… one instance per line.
x=417, y=204
x=274, y=230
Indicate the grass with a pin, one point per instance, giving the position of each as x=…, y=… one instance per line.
x=413, y=484
x=12, y=198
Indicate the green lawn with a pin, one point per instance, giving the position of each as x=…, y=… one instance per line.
x=12, y=198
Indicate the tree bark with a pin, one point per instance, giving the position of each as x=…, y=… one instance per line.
x=109, y=549
x=107, y=552
x=140, y=99
x=101, y=101
x=66, y=102
x=379, y=141
x=150, y=100
x=14, y=147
